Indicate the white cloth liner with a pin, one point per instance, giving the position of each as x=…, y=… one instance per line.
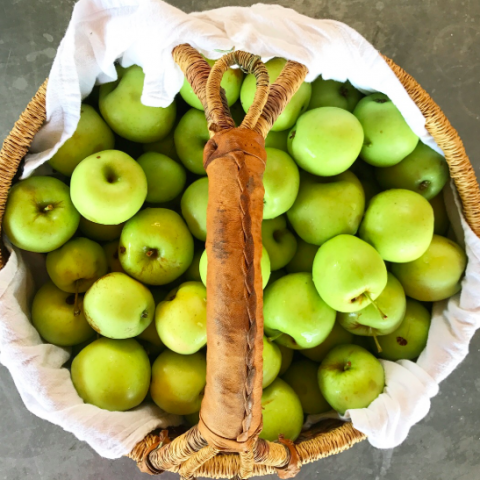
x=144, y=32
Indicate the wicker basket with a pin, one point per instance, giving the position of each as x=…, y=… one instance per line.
x=225, y=444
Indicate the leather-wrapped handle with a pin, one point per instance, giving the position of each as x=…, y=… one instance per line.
x=235, y=159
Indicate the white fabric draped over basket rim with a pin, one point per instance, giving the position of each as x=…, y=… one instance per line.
x=144, y=32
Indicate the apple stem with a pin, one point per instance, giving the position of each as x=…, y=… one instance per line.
x=367, y=295
x=379, y=348
x=347, y=366
x=48, y=208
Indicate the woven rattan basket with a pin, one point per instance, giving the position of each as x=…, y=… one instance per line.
x=225, y=444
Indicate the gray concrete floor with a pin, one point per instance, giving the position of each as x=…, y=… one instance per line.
x=438, y=42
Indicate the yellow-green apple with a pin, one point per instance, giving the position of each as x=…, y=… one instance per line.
x=436, y=274
x=294, y=313
x=181, y=319
x=117, y=306
x=348, y=273
x=325, y=208
x=92, y=135
x=287, y=357
x=410, y=338
x=156, y=246
x=281, y=181
x=112, y=374
x=121, y=107
x=423, y=171
x=282, y=412
x=297, y=104
x=112, y=256
x=108, y=187
x=191, y=135
x=166, y=146
x=350, y=377
x=57, y=319
x=330, y=93
x=39, y=215
x=178, y=382
x=302, y=377
x=192, y=274
x=165, y=177
x=381, y=317
x=272, y=361
x=194, y=208
x=277, y=140
x=326, y=141
x=399, y=224
x=388, y=138
x=441, y=222
x=279, y=242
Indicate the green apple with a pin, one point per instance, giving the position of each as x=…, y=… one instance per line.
x=156, y=246
x=108, y=187
x=151, y=341
x=436, y=275
x=325, y=208
x=366, y=174
x=302, y=261
x=190, y=136
x=294, y=313
x=281, y=181
x=39, y=215
x=302, y=377
x=326, y=141
x=165, y=177
x=117, y=306
x=388, y=138
x=121, y=107
x=297, y=104
x=441, y=222
x=112, y=374
x=165, y=146
x=277, y=140
x=348, y=273
x=92, y=135
x=112, y=256
x=181, y=319
x=57, y=319
x=192, y=274
x=279, y=242
x=350, y=377
x=399, y=224
x=272, y=361
x=75, y=266
x=98, y=232
x=282, y=412
x=264, y=266
x=287, y=357
x=381, y=317
x=231, y=83
x=178, y=382
x=424, y=171
x=338, y=336
x=330, y=93
x=194, y=208
x=410, y=338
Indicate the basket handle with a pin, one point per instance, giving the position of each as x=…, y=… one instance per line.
x=234, y=158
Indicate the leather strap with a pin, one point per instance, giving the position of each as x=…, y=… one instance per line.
x=231, y=413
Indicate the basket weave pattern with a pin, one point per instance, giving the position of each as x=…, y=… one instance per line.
x=320, y=441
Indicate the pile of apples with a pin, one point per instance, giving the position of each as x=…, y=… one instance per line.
x=354, y=248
